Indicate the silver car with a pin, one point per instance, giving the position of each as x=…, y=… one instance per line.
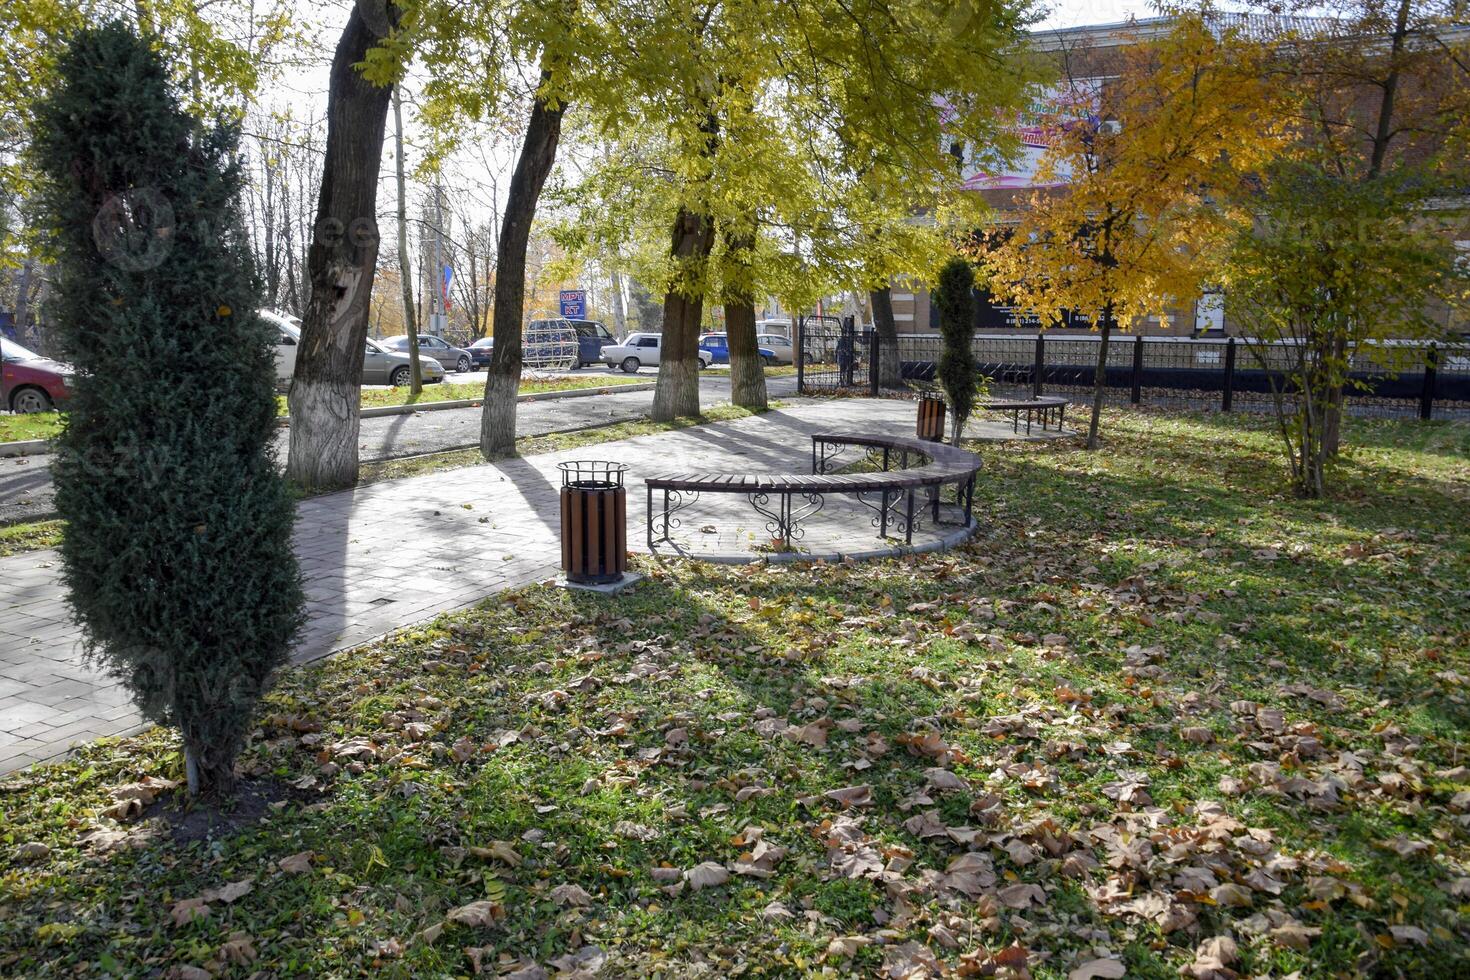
x=381, y=366
x=452, y=358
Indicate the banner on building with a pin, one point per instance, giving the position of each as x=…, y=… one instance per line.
x=1050, y=111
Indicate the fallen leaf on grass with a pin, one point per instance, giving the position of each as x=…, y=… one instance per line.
x=851, y=795
x=1100, y=969
x=571, y=895
x=239, y=949
x=296, y=863
x=1022, y=895
x=1212, y=960
x=188, y=910
x=707, y=875
x=476, y=914
x=234, y=891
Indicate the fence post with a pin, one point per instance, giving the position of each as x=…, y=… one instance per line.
x=1426, y=396
x=873, y=356
x=800, y=354
x=1229, y=394
x=1137, y=369
x=1040, y=364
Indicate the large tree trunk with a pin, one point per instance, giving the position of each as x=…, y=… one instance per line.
x=890, y=370
x=747, y=370
x=503, y=380
x=405, y=270
x=677, y=392
x=1099, y=379
x=344, y=253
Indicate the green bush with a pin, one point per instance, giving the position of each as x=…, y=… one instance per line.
x=177, y=551
x=954, y=297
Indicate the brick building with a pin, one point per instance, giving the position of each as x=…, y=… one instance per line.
x=1091, y=55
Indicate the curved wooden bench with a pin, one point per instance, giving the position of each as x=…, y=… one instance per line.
x=775, y=495
x=1042, y=406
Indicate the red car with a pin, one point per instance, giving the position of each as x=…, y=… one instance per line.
x=28, y=381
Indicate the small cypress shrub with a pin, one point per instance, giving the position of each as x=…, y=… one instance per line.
x=177, y=550
x=955, y=299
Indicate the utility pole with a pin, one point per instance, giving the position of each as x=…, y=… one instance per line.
x=439, y=311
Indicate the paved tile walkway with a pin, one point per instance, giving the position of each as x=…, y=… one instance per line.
x=393, y=554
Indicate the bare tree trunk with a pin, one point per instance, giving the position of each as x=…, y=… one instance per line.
x=747, y=370
x=620, y=314
x=890, y=370
x=677, y=392
x=344, y=253
x=1099, y=380
x=503, y=377
x=405, y=270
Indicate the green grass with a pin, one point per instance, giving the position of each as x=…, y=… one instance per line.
x=23, y=428
x=1117, y=610
x=47, y=425
x=445, y=392
x=32, y=536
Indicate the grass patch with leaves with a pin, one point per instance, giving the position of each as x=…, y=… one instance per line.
x=35, y=425
x=1158, y=713
x=30, y=536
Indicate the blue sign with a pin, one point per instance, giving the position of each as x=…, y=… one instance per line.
x=574, y=304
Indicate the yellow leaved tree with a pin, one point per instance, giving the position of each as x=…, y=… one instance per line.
x=1142, y=213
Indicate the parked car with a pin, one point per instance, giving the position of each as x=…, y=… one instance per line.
x=592, y=337
x=380, y=366
x=288, y=336
x=481, y=351
x=718, y=345
x=779, y=346
x=30, y=382
x=641, y=349
x=453, y=358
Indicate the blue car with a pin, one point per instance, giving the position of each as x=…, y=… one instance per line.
x=717, y=345
x=592, y=337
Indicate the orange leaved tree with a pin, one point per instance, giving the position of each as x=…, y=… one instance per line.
x=1141, y=214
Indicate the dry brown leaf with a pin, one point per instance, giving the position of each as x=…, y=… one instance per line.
x=851, y=795
x=188, y=910
x=296, y=863
x=571, y=895
x=710, y=874
x=239, y=949
x=1022, y=895
x=1099, y=969
x=481, y=913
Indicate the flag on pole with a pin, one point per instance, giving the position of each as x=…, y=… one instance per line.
x=448, y=278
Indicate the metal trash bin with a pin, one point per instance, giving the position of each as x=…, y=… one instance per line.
x=931, y=418
x=594, y=521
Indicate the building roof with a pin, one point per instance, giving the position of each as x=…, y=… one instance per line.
x=1260, y=27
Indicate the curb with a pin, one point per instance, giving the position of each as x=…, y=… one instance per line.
x=26, y=447
x=534, y=396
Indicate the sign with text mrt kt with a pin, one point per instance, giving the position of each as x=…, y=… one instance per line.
x=574, y=303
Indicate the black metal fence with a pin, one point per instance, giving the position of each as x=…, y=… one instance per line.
x=1391, y=379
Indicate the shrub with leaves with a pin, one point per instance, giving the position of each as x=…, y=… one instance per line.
x=954, y=296
x=178, y=544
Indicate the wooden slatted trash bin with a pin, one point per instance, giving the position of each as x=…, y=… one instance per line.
x=594, y=521
x=931, y=418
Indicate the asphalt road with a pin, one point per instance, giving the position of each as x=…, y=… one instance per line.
x=25, y=482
